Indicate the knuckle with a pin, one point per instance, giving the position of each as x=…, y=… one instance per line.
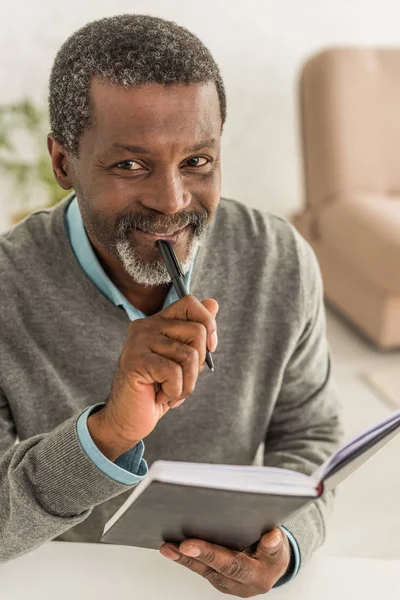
x=234, y=568
x=161, y=363
x=174, y=370
x=190, y=354
x=175, y=375
x=209, y=556
x=186, y=561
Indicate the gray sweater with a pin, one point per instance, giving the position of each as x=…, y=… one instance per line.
x=60, y=341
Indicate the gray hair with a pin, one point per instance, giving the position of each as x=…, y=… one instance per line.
x=127, y=50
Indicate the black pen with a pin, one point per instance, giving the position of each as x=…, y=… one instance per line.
x=175, y=272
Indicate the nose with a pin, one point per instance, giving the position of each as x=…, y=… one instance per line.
x=168, y=194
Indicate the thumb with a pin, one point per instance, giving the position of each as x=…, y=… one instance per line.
x=211, y=305
x=270, y=547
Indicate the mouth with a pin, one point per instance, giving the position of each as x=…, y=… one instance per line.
x=173, y=238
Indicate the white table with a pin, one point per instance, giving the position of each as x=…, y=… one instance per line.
x=69, y=571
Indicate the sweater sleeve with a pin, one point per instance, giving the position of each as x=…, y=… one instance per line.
x=47, y=485
x=305, y=428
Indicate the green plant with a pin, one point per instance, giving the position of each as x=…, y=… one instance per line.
x=23, y=131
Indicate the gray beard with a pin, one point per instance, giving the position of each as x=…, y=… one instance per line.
x=154, y=273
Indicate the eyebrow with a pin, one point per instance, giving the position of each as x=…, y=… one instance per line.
x=132, y=148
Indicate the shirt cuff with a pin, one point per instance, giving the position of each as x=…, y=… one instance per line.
x=295, y=560
x=130, y=468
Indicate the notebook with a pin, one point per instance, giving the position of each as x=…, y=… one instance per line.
x=230, y=505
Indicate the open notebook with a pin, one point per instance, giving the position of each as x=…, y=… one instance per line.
x=231, y=505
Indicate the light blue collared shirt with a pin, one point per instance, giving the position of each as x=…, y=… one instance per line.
x=130, y=468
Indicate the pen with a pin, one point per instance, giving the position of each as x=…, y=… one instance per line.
x=175, y=272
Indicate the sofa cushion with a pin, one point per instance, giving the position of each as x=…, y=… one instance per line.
x=364, y=229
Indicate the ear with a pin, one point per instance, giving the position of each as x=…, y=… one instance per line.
x=61, y=163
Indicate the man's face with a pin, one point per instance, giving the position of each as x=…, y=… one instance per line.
x=150, y=163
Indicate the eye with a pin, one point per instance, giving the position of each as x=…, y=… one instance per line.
x=197, y=161
x=129, y=165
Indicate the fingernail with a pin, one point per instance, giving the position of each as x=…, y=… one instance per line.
x=214, y=341
x=190, y=551
x=169, y=553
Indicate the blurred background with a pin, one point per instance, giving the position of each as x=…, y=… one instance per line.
x=313, y=135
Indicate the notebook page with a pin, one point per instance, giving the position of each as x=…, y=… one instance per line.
x=359, y=442
x=231, y=477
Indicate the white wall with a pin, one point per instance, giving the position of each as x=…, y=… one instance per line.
x=259, y=45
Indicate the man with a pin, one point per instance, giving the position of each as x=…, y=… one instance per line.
x=89, y=322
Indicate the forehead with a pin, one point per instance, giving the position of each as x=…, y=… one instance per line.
x=154, y=113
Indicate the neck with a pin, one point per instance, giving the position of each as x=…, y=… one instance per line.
x=149, y=304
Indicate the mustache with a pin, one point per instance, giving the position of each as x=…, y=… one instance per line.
x=162, y=223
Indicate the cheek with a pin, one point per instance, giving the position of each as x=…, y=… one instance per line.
x=110, y=196
x=207, y=190
x=214, y=198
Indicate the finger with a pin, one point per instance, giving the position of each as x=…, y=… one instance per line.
x=189, y=333
x=271, y=547
x=176, y=404
x=167, y=373
x=211, y=305
x=231, y=564
x=191, y=309
x=184, y=355
x=216, y=579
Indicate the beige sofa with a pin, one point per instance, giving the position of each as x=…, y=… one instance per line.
x=350, y=122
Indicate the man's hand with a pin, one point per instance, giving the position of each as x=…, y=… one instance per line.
x=244, y=574
x=168, y=349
